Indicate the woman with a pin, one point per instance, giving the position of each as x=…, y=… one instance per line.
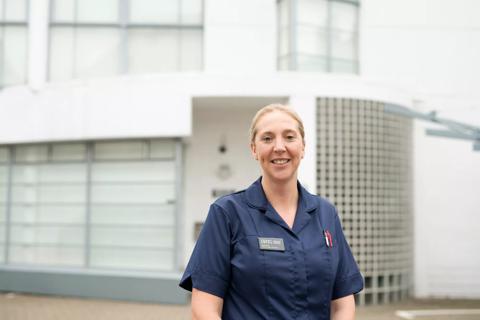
x=273, y=251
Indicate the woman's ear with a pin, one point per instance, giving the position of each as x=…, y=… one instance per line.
x=254, y=150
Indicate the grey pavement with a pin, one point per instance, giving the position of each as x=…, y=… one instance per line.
x=35, y=307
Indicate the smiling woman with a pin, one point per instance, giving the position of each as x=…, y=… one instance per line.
x=273, y=251
x=278, y=144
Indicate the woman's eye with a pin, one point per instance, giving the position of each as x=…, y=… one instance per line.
x=290, y=138
x=267, y=139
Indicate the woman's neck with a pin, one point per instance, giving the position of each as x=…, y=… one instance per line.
x=283, y=194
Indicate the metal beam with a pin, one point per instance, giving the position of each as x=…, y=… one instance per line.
x=403, y=111
x=454, y=129
x=476, y=145
x=448, y=134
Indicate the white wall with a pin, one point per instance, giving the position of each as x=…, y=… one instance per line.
x=159, y=105
x=214, y=123
x=431, y=48
x=432, y=45
x=96, y=110
x=447, y=217
x=306, y=107
x=38, y=43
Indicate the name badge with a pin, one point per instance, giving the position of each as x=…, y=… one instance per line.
x=271, y=244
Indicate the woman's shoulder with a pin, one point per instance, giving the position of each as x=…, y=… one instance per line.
x=326, y=204
x=231, y=203
x=315, y=201
x=325, y=209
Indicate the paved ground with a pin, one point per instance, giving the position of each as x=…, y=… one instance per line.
x=30, y=307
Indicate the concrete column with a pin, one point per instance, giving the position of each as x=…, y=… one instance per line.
x=305, y=106
x=38, y=43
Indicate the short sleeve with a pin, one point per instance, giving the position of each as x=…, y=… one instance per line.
x=348, y=279
x=209, y=267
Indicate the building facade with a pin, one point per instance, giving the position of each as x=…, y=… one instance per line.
x=121, y=121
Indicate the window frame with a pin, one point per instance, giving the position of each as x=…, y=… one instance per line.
x=4, y=23
x=123, y=25
x=174, y=155
x=293, y=53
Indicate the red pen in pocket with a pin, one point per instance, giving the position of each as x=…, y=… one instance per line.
x=328, y=238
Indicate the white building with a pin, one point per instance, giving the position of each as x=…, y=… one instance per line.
x=112, y=114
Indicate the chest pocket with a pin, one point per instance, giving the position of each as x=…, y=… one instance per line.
x=251, y=262
x=320, y=265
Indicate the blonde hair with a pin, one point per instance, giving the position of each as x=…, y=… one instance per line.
x=271, y=108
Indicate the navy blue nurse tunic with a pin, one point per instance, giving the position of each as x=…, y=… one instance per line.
x=295, y=282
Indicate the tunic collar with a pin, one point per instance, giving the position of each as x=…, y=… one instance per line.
x=256, y=197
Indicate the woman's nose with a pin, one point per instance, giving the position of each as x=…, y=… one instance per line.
x=279, y=145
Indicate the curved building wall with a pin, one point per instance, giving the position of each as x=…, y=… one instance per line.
x=364, y=167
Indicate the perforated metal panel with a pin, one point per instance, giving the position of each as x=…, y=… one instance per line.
x=364, y=168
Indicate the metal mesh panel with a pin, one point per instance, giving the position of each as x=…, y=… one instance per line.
x=364, y=168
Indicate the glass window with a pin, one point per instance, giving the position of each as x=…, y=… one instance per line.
x=66, y=152
x=120, y=150
x=97, y=52
x=343, y=38
x=159, y=215
x=4, y=158
x=311, y=63
x=89, y=39
x=191, y=12
x=133, y=205
x=94, y=11
x=48, y=203
x=284, y=42
x=63, y=11
x=47, y=255
x=143, y=259
x=4, y=154
x=344, y=16
x=127, y=189
x=15, y=10
x=62, y=51
x=14, y=55
x=162, y=149
x=190, y=49
x=343, y=45
x=154, y=11
x=134, y=171
x=153, y=50
x=13, y=42
x=311, y=40
x=323, y=37
x=312, y=12
x=71, y=49
x=31, y=153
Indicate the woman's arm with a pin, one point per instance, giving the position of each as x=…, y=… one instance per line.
x=206, y=306
x=343, y=308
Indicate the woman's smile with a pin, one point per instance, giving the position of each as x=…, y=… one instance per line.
x=280, y=161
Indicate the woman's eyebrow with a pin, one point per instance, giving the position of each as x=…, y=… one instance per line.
x=266, y=132
x=284, y=131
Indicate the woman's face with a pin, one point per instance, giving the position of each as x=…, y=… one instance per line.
x=278, y=146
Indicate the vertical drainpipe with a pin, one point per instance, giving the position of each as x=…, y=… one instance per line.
x=292, y=17
x=123, y=9
x=88, y=209
x=179, y=217
x=328, y=58
x=8, y=204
